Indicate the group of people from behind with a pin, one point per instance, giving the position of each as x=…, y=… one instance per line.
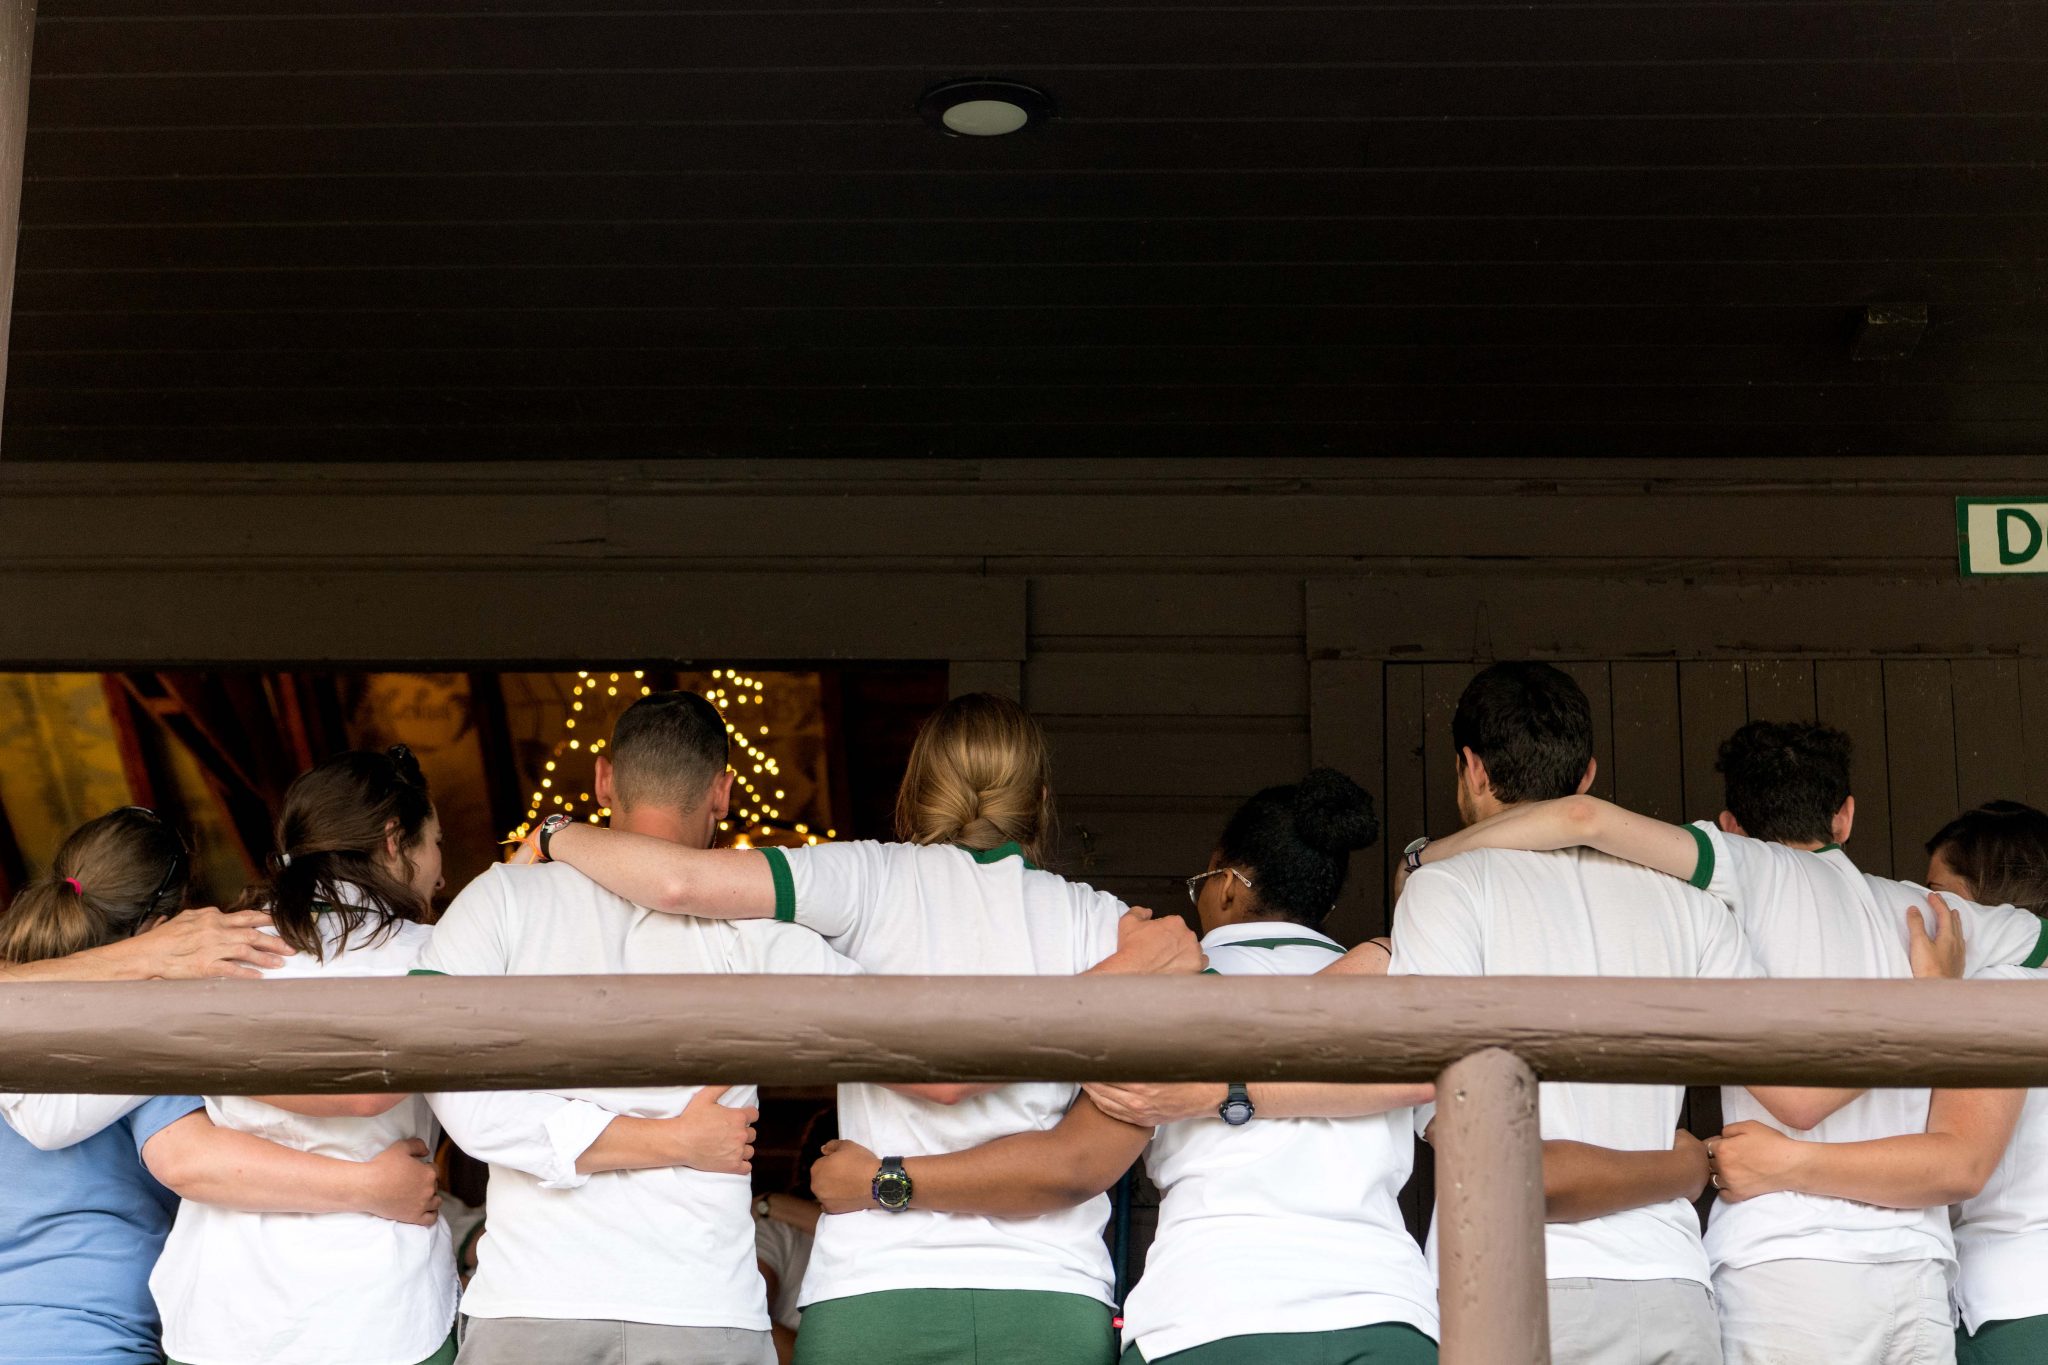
x=965, y=1223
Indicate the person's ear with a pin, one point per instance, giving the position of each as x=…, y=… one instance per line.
x=391, y=849
x=1592, y=770
x=1729, y=824
x=720, y=795
x=1472, y=773
x=602, y=783
x=1844, y=821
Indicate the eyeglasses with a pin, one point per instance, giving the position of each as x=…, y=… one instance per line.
x=1195, y=882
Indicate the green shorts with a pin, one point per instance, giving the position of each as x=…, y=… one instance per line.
x=2018, y=1341
x=1383, y=1343
x=957, y=1327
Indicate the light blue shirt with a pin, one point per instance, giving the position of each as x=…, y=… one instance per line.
x=80, y=1229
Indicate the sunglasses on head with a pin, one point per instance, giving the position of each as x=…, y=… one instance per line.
x=175, y=871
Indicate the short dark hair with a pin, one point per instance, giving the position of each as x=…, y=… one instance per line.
x=1783, y=780
x=1531, y=725
x=2001, y=850
x=666, y=749
x=1295, y=842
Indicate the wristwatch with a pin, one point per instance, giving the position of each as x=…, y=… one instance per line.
x=891, y=1186
x=547, y=832
x=1236, y=1109
x=762, y=1207
x=1411, y=856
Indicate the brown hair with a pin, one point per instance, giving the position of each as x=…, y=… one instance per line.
x=331, y=837
x=666, y=750
x=110, y=877
x=2001, y=850
x=978, y=777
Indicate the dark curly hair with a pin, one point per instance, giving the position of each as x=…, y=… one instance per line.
x=1295, y=843
x=1784, y=780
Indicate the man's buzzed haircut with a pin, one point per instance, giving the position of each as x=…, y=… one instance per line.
x=666, y=749
x=1783, y=781
x=1531, y=726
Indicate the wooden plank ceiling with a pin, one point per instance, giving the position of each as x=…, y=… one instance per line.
x=303, y=229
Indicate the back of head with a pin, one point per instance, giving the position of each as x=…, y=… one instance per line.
x=665, y=751
x=1783, y=781
x=2001, y=850
x=1295, y=843
x=1531, y=725
x=334, y=834
x=110, y=876
x=979, y=777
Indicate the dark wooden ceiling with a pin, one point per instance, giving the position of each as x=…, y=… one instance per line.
x=303, y=229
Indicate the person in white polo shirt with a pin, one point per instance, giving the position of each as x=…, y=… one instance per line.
x=358, y=860
x=962, y=895
x=1631, y=1286
x=1775, y=857
x=1996, y=853
x=1280, y=1240
x=620, y=1228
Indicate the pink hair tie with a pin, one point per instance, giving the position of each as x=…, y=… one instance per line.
x=72, y=882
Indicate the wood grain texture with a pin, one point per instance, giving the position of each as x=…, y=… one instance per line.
x=1712, y=706
x=1780, y=689
x=1990, y=732
x=1851, y=699
x=1919, y=723
x=1347, y=731
x=440, y=1033
x=1491, y=1289
x=1648, y=746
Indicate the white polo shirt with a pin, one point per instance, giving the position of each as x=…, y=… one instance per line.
x=673, y=1247
x=1814, y=915
x=1282, y=1225
x=2002, y=1234
x=1575, y=912
x=909, y=908
x=240, y=1288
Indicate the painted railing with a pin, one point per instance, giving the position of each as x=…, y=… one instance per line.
x=1484, y=1041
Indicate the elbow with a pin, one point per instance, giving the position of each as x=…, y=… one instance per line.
x=1968, y=1179
x=174, y=1166
x=1582, y=815
x=953, y=1094
x=1803, y=1118
x=674, y=894
x=369, y=1106
x=44, y=1141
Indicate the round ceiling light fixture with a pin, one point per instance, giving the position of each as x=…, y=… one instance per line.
x=983, y=108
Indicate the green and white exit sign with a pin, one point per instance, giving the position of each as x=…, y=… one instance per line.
x=2002, y=535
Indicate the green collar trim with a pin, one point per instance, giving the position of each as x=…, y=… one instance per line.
x=985, y=856
x=1284, y=943
x=2040, y=953
x=425, y=971
x=1829, y=848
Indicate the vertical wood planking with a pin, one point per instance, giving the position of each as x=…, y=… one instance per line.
x=1347, y=731
x=1594, y=681
x=1920, y=743
x=17, y=43
x=1648, y=761
x=1780, y=689
x=1442, y=685
x=1851, y=699
x=1712, y=705
x=1990, y=741
x=2034, y=728
x=1406, y=798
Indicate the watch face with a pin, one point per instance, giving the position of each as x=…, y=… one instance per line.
x=892, y=1190
x=1417, y=845
x=1235, y=1112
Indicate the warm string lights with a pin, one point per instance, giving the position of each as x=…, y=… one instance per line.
x=756, y=813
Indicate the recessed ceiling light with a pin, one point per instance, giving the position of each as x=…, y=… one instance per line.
x=983, y=108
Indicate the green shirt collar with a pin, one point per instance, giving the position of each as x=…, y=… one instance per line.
x=985, y=856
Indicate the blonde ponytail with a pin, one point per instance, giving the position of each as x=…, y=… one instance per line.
x=978, y=777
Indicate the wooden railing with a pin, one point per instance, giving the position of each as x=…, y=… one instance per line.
x=1484, y=1041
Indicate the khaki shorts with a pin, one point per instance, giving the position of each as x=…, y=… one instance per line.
x=568, y=1341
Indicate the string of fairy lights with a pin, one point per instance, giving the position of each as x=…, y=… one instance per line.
x=757, y=812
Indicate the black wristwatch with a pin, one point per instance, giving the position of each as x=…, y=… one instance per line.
x=1236, y=1109
x=1411, y=856
x=547, y=832
x=891, y=1185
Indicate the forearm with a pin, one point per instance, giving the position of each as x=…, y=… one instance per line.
x=630, y=1144
x=1802, y=1107
x=801, y=1214
x=1582, y=1181
x=235, y=1170
x=1914, y=1171
x=543, y=1135
x=1321, y=1100
x=113, y=962
x=707, y=883
x=1578, y=822
x=334, y=1106
x=1020, y=1176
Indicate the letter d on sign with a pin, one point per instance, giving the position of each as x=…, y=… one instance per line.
x=1997, y=536
x=2012, y=520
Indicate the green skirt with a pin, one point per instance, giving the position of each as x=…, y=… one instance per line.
x=2019, y=1341
x=1383, y=1343
x=957, y=1327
